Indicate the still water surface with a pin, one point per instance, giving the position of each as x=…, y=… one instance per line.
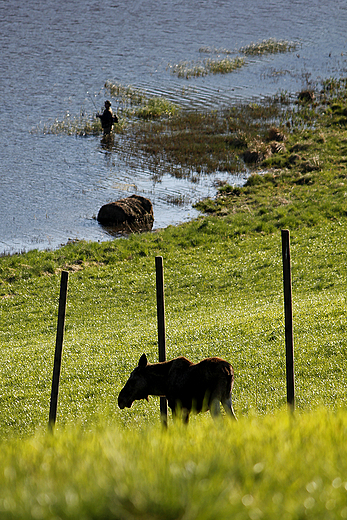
x=55, y=56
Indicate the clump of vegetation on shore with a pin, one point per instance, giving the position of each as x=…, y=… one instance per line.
x=302, y=162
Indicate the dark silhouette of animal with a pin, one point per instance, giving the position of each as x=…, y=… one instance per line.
x=187, y=386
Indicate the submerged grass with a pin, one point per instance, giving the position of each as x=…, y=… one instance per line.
x=189, y=69
x=195, y=142
x=186, y=69
x=269, y=46
x=83, y=125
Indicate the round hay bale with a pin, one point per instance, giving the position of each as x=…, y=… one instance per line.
x=128, y=210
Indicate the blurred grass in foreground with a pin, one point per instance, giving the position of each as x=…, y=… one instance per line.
x=271, y=467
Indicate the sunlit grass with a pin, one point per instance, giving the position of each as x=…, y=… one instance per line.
x=155, y=108
x=223, y=296
x=272, y=467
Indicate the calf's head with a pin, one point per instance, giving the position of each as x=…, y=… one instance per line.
x=136, y=386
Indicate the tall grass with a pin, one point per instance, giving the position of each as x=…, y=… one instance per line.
x=273, y=467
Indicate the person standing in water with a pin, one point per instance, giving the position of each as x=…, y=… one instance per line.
x=107, y=118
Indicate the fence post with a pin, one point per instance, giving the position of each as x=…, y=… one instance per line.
x=58, y=350
x=288, y=314
x=161, y=327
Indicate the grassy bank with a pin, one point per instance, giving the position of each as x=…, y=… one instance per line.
x=223, y=296
x=303, y=165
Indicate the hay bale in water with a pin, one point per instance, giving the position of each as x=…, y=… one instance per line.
x=131, y=210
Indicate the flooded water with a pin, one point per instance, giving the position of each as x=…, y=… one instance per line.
x=56, y=57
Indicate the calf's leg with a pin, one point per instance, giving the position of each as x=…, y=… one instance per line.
x=228, y=407
x=185, y=415
x=215, y=408
x=178, y=412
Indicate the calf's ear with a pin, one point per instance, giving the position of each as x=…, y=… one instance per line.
x=143, y=361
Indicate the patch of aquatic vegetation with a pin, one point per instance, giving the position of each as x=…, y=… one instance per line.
x=241, y=137
x=136, y=103
x=192, y=143
x=215, y=50
x=132, y=105
x=224, y=66
x=314, y=101
x=177, y=200
x=82, y=125
x=127, y=95
x=155, y=108
x=270, y=46
x=333, y=87
x=188, y=69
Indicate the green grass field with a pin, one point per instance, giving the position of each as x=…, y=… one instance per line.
x=223, y=296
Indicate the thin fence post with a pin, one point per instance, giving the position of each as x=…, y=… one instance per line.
x=161, y=327
x=288, y=314
x=58, y=350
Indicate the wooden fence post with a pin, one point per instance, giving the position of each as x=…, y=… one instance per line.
x=161, y=327
x=288, y=314
x=58, y=350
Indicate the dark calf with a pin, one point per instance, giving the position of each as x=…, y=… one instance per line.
x=187, y=386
